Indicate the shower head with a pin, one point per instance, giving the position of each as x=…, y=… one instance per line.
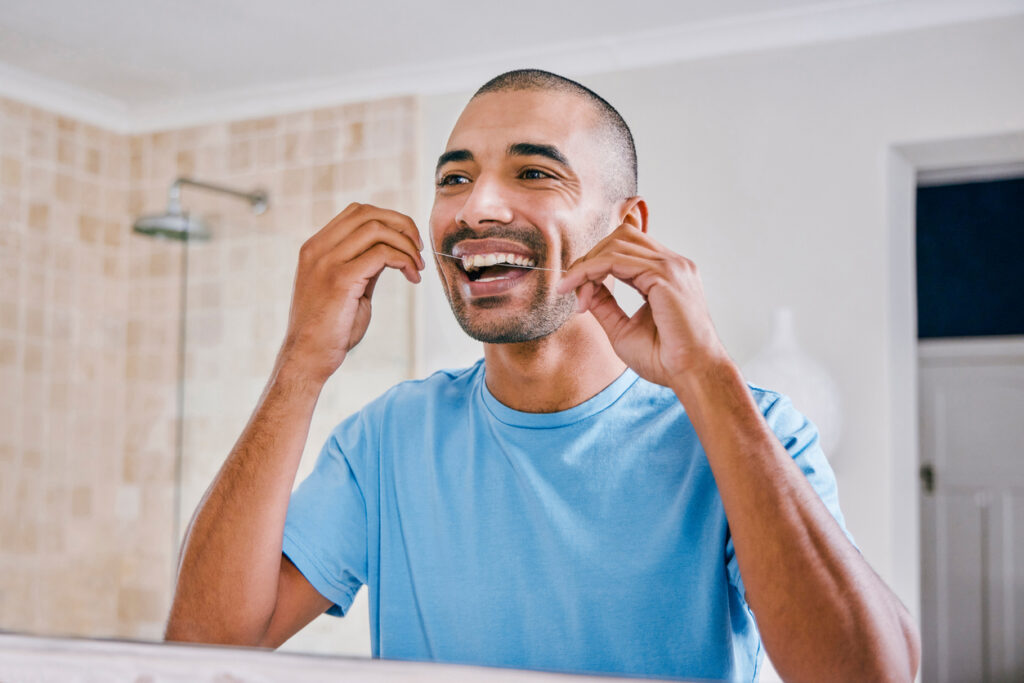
x=173, y=225
x=177, y=224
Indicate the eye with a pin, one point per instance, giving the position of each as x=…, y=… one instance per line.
x=452, y=179
x=534, y=174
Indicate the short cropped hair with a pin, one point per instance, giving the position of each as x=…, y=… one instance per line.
x=622, y=182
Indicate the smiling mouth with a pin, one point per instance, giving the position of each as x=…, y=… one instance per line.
x=494, y=266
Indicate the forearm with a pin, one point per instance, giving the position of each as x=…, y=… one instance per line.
x=230, y=565
x=822, y=611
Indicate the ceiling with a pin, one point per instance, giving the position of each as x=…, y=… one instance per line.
x=141, y=64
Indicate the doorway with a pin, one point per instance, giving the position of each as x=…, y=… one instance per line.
x=970, y=362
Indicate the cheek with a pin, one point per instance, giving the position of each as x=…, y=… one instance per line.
x=557, y=223
x=440, y=216
x=575, y=235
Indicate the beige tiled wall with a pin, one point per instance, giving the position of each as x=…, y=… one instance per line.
x=63, y=305
x=90, y=319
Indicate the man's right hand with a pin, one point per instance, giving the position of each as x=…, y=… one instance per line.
x=338, y=269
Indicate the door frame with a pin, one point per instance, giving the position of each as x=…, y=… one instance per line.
x=907, y=165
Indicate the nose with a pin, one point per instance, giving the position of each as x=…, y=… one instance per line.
x=486, y=203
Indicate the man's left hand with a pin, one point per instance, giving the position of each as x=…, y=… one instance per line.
x=668, y=337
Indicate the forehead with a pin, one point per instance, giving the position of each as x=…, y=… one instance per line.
x=494, y=120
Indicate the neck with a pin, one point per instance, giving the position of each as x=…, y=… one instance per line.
x=556, y=372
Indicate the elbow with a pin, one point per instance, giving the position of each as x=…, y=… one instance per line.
x=177, y=632
x=180, y=630
x=902, y=645
x=897, y=641
x=912, y=638
x=900, y=666
x=895, y=662
x=899, y=657
x=890, y=650
x=184, y=630
x=197, y=631
x=207, y=618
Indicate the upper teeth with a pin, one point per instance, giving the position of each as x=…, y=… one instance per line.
x=474, y=261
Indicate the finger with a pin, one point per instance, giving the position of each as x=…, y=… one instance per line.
x=583, y=295
x=371, y=285
x=323, y=237
x=628, y=248
x=623, y=234
x=365, y=213
x=607, y=311
x=370, y=233
x=400, y=222
x=353, y=216
x=624, y=267
x=619, y=245
x=371, y=262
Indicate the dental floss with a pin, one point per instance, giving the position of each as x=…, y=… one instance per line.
x=510, y=265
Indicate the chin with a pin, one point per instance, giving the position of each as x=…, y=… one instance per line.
x=510, y=328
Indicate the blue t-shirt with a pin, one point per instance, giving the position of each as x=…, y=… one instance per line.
x=587, y=540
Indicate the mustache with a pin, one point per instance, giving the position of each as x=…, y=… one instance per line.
x=531, y=238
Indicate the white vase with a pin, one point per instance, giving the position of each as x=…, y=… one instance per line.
x=782, y=366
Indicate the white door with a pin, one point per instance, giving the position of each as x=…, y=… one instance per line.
x=972, y=509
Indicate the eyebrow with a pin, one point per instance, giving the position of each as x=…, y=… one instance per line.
x=532, y=149
x=452, y=156
x=518, y=149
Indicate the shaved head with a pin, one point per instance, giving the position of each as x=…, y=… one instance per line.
x=614, y=134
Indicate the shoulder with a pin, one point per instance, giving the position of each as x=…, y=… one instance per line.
x=659, y=402
x=405, y=401
x=767, y=399
x=438, y=384
x=438, y=388
x=780, y=413
x=649, y=393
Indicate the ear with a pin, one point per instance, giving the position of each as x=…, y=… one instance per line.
x=634, y=212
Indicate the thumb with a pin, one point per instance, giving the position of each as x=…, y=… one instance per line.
x=368, y=292
x=607, y=311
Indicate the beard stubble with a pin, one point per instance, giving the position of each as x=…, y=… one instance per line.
x=544, y=315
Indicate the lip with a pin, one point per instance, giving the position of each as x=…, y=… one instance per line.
x=478, y=289
x=472, y=247
x=491, y=246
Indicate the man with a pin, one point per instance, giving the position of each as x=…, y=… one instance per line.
x=600, y=493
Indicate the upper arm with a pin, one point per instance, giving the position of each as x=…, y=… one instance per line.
x=298, y=603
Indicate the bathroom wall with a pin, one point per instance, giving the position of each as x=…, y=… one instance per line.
x=63, y=303
x=239, y=283
x=89, y=341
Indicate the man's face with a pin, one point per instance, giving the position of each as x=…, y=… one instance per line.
x=520, y=178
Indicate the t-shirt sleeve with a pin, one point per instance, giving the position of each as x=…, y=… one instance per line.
x=800, y=438
x=325, y=533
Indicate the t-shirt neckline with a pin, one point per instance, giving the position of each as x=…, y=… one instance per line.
x=593, y=405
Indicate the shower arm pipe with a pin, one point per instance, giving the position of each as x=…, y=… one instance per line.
x=258, y=198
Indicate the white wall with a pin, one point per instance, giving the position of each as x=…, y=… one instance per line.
x=773, y=171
